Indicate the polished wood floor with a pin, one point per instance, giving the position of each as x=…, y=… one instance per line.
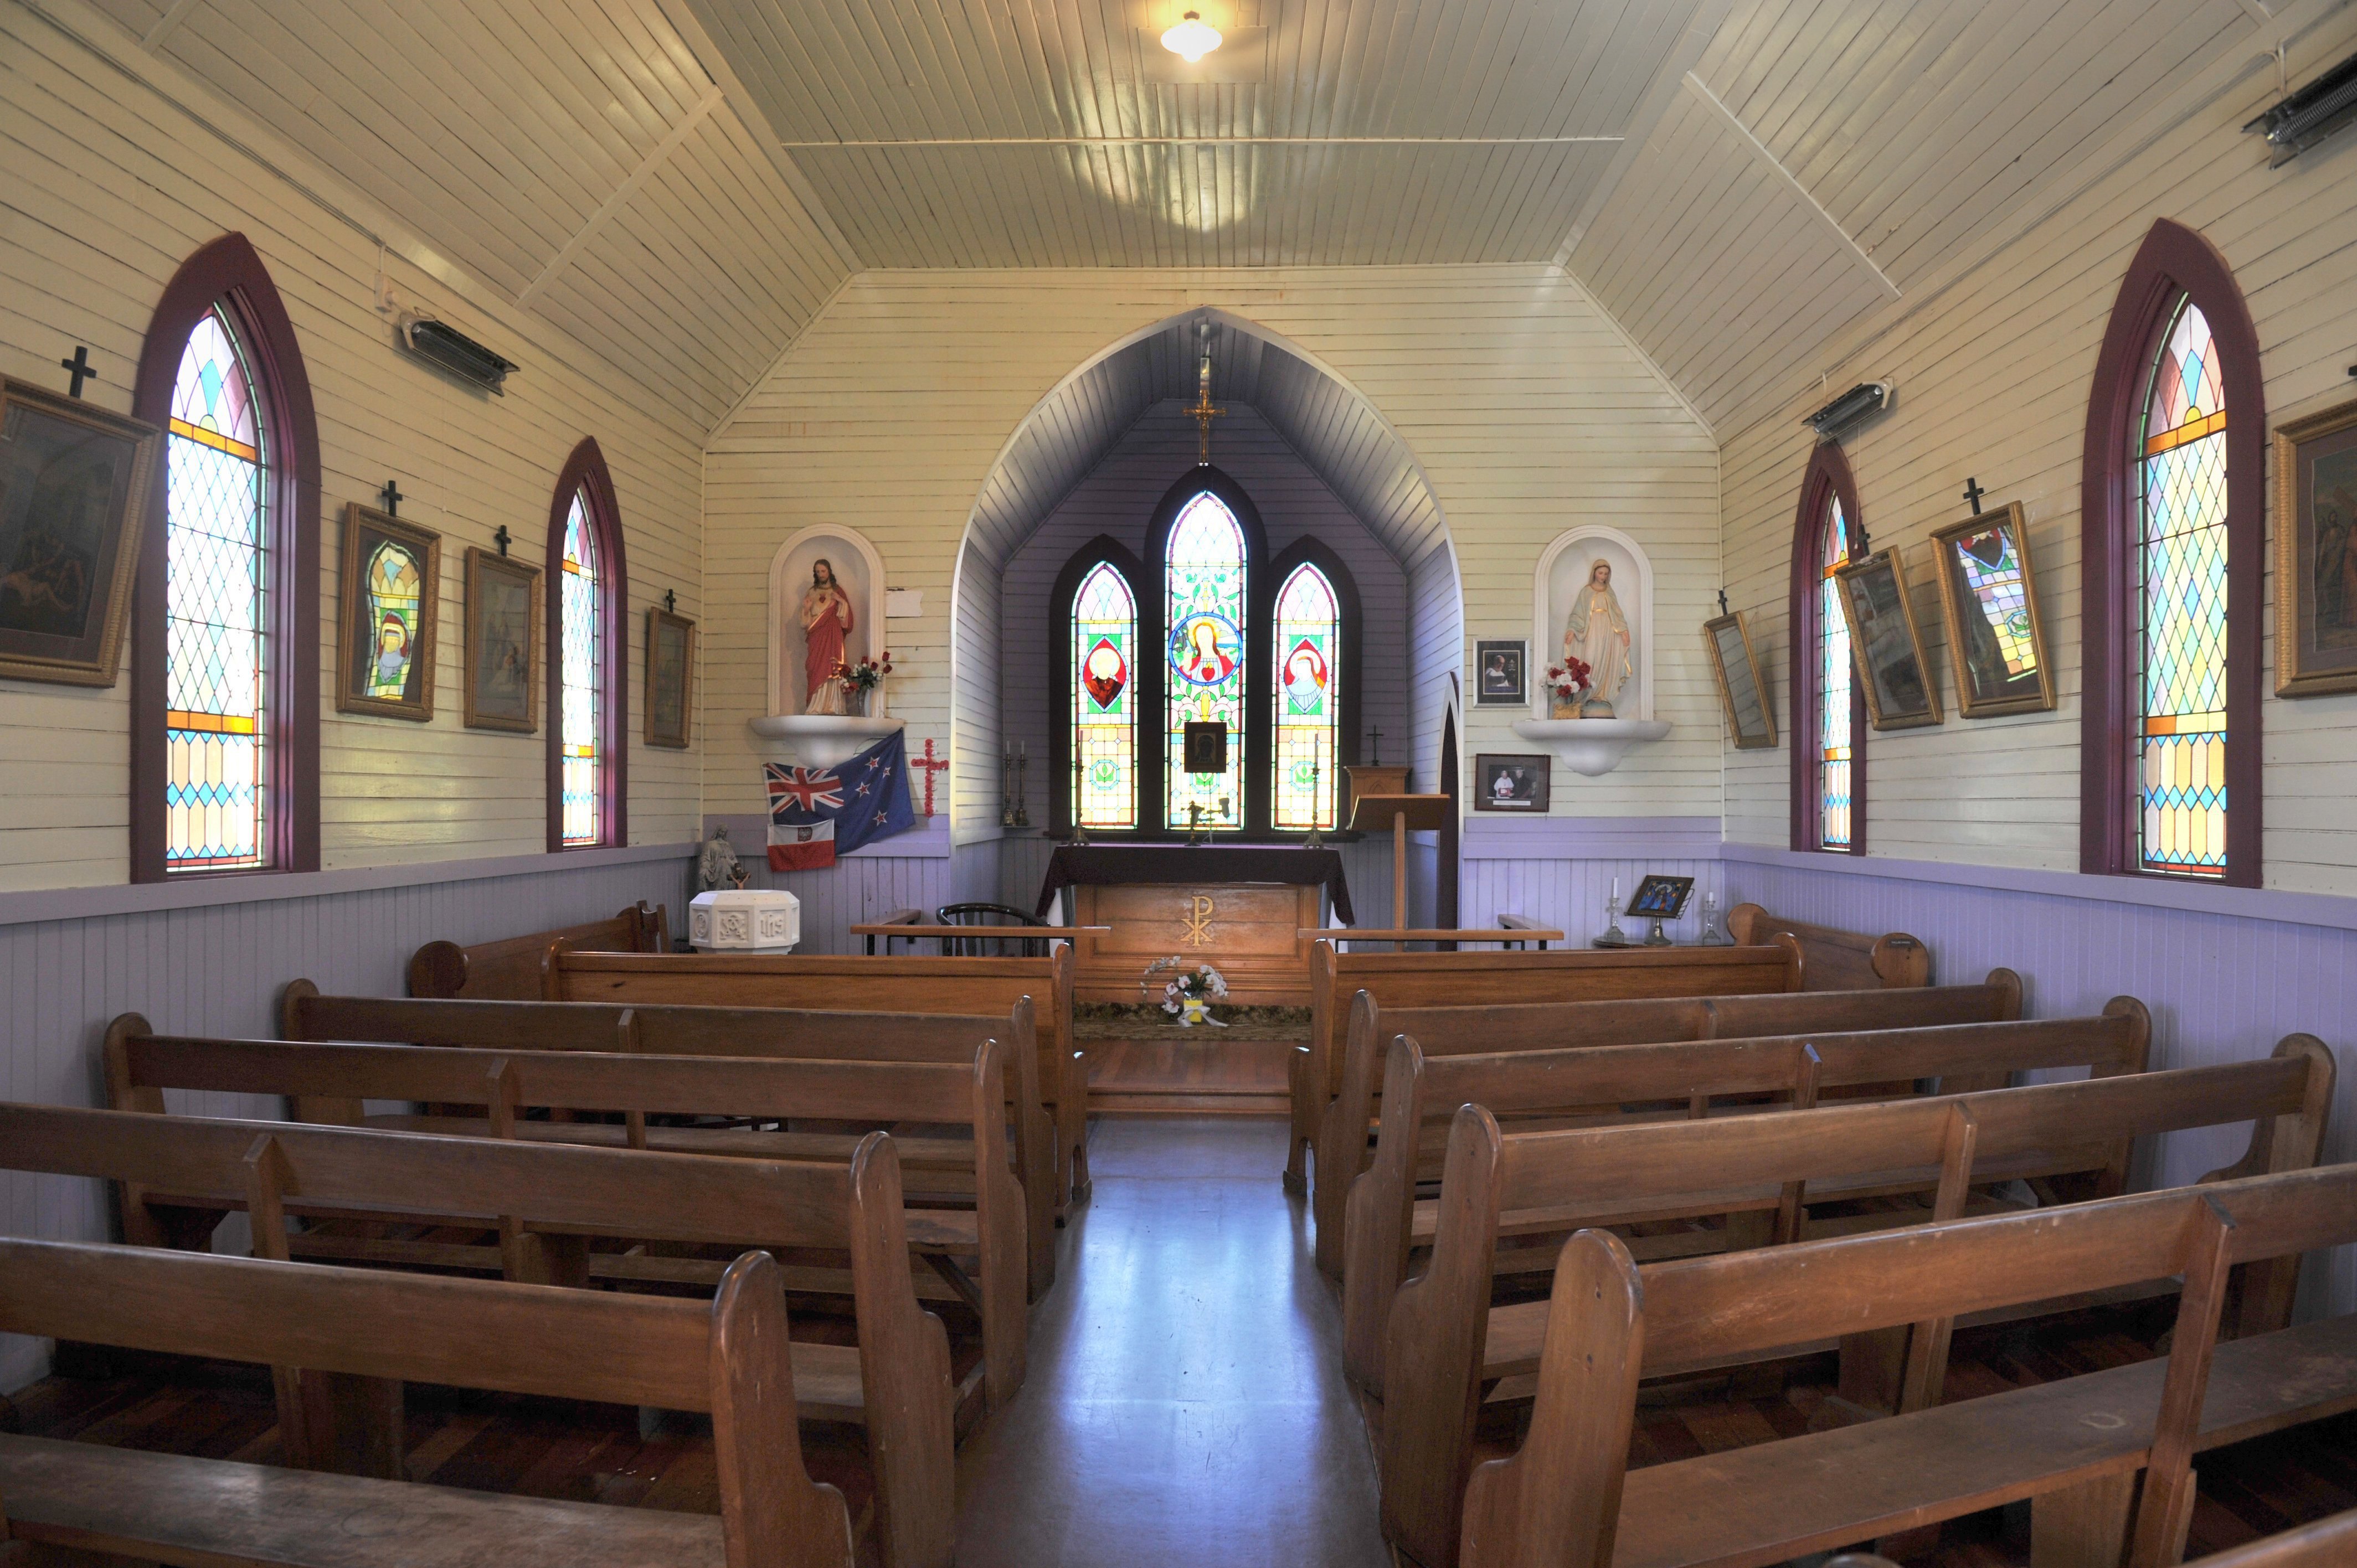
x=1185, y=1401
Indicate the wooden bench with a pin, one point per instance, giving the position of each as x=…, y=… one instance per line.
x=328, y=1082
x=1444, y=1340
x=730, y=1356
x=1595, y=1083
x=1460, y=979
x=2327, y=1543
x=856, y=984
x=509, y=969
x=1558, y=1026
x=305, y=1015
x=2076, y=1447
x=1836, y=960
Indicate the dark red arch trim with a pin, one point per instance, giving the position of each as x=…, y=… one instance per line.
x=229, y=272
x=1828, y=477
x=585, y=472
x=2173, y=263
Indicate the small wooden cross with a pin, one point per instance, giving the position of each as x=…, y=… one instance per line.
x=1722, y=601
x=1973, y=493
x=390, y=497
x=931, y=765
x=1375, y=745
x=501, y=538
x=671, y=601
x=79, y=368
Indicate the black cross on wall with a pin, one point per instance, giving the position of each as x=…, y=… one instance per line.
x=501, y=538
x=390, y=497
x=1973, y=493
x=79, y=368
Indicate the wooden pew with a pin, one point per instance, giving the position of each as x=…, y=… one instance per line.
x=2327, y=1543
x=328, y=1082
x=1460, y=979
x=856, y=984
x=305, y=1014
x=730, y=1356
x=2075, y=1447
x=508, y=969
x=1444, y=1340
x=1838, y=959
x=178, y=1175
x=1558, y=1026
x=1422, y=1094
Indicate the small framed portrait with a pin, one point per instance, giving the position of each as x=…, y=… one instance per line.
x=1205, y=745
x=1742, y=691
x=502, y=643
x=671, y=677
x=1497, y=673
x=2315, y=554
x=1988, y=597
x=1511, y=781
x=391, y=583
x=76, y=484
x=1886, y=643
x=1661, y=897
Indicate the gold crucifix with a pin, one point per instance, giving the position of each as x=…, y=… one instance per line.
x=1204, y=411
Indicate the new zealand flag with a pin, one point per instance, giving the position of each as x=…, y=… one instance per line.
x=815, y=812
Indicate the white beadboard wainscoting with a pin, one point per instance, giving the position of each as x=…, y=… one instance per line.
x=919, y=869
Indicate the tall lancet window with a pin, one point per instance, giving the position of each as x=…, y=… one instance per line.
x=1307, y=695
x=1828, y=777
x=1204, y=569
x=1835, y=694
x=1103, y=697
x=584, y=632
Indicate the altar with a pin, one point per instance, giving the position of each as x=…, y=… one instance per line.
x=1239, y=907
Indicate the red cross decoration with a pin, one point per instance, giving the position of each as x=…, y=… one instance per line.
x=930, y=765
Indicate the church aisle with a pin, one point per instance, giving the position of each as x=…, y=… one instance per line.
x=1186, y=1401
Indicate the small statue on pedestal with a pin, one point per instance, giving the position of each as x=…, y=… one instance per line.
x=718, y=865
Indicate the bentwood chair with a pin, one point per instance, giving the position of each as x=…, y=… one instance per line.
x=990, y=947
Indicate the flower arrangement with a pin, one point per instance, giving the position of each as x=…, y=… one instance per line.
x=1566, y=681
x=1188, y=992
x=865, y=675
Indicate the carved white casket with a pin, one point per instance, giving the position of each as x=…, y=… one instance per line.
x=744, y=920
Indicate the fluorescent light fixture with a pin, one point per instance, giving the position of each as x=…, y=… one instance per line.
x=1192, y=39
x=1860, y=403
x=2310, y=115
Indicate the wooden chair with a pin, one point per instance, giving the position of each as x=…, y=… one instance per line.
x=904, y=917
x=2075, y=1447
x=2327, y=1543
x=509, y=969
x=1444, y=1341
x=1593, y=1085
x=328, y=1084
x=730, y=1356
x=1341, y=1143
x=1838, y=959
x=990, y=947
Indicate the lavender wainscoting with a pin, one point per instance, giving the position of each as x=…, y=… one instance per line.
x=919, y=869
x=1560, y=871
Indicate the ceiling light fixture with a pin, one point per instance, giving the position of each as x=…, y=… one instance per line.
x=1192, y=39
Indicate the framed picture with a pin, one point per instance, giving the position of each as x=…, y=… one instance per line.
x=1887, y=642
x=2315, y=554
x=502, y=643
x=391, y=581
x=1511, y=781
x=1203, y=744
x=74, y=496
x=1497, y=673
x=1661, y=897
x=1742, y=690
x=1988, y=596
x=671, y=677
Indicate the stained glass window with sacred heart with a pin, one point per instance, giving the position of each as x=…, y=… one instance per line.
x=1105, y=699
x=1204, y=569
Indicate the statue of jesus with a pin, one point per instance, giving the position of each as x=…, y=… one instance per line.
x=826, y=615
x=1597, y=634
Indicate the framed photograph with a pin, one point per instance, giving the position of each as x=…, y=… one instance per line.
x=1661, y=897
x=390, y=579
x=2315, y=554
x=1497, y=673
x=1742, y=691
x=1204, y=745
x=1988, y=596
x=74, y=496
x=502, y=643
x=1887, y=642
x=671, y=677
x=1511, y=781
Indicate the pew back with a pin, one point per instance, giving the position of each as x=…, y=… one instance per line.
x=1839, y=959
x=509, y=969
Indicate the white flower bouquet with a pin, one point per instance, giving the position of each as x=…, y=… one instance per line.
x=1188, y=992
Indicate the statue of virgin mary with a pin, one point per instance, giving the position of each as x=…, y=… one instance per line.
x=1597, y=634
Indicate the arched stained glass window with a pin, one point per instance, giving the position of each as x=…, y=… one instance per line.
x=217, y=739
x=1306, y=692
x=2181, y=603
x=1834, y=694
x=1204, y=596
x=1105, y=699
x=585, y=630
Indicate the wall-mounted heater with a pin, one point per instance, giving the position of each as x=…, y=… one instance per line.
x=454, y=352
x=1854, y=407
x=2305, y=118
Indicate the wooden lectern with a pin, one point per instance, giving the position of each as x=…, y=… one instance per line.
x=1401, y=814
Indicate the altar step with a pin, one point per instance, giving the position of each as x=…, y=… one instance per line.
x=1191, y=1075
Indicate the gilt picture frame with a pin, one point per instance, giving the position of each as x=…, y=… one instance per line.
x=1742, y=687
x=2315, y=554
x=77, y=484
x=1989, y=601
x=1893, y=668
x=671, y=678
x=502, y=632
x=390, y=589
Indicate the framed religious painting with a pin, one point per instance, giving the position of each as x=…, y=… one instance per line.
x=1988, y=597
x=75, y=491
x=391, y=582
x=1742, y=691
x=1888, y=645
x=1498, y=678
x=1511, y=781
x=2315, y=554
x=502, y=643
x=671, y=677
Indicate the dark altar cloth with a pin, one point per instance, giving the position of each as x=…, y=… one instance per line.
x=1104, y=865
